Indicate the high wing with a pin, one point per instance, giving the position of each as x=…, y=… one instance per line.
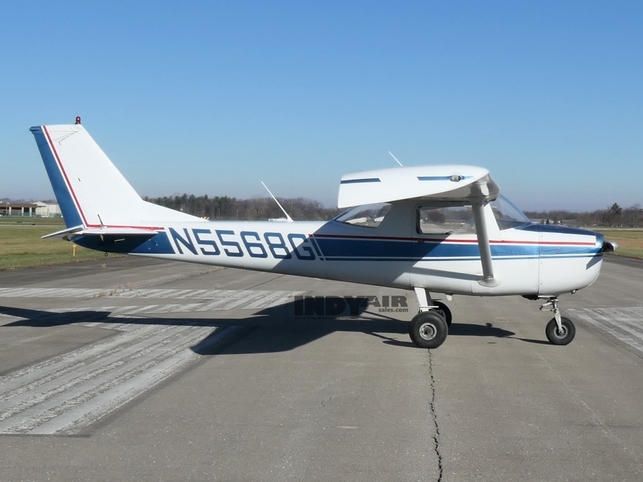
x=467, y=183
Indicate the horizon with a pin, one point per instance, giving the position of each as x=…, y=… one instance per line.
x=325, y=206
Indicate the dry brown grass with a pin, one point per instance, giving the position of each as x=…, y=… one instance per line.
x=630, y=241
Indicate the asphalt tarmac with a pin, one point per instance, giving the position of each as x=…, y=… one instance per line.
x=134, y=369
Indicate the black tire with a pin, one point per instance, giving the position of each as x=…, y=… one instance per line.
x=443, y=310
x=428, y=330
x=560, y=338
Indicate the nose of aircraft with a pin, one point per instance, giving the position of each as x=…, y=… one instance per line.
x=609, y=246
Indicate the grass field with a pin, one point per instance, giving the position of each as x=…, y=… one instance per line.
x=630, y=241
x=21, y=246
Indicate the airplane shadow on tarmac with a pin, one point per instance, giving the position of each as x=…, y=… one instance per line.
x=276, y=329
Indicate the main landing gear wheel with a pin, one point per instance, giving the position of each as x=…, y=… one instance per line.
x=442, y=310
x=428, y=330
x=560, y=337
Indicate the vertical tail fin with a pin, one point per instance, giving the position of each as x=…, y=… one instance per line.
x=90, y=190
x=64, y=195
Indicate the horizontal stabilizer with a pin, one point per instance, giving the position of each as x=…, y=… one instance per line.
x=102, y=231
x=64, y=233
x=118, y=232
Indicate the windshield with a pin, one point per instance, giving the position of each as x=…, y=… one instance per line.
x=369, y=216
x=507, y=214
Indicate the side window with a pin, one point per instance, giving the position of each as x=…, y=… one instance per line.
x=445, y=220
x=369, y=216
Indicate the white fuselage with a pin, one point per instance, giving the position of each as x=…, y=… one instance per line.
x=530, y=260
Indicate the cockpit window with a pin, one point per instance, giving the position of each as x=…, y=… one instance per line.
x=507, y=214
x=445, y=220
x=436, y=219
x=369, y=216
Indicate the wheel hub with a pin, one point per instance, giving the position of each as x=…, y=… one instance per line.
x=562, y=332
x=428, y=331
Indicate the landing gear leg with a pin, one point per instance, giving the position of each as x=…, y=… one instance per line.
x=559, y=330
x=429, y=328
x=428, y=304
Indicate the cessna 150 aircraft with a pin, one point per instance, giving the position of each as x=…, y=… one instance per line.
x=434, y=229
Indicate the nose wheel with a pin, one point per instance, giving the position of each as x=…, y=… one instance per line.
x=563, y=335
x=559, y=330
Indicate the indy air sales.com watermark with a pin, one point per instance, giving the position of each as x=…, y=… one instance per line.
x=313, y=306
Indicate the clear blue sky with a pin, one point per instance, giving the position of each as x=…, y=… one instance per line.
x=211, y=97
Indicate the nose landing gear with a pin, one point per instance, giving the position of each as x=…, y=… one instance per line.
x=559, y=330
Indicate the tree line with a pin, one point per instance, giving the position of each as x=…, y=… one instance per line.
x=258, y=208
x=613, y=217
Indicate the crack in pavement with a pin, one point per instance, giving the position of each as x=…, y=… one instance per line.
x=434, y=419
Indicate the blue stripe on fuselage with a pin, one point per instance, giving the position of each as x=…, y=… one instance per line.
x=65, y=200
x=420, y=249
x=384, y=249
x=388, y=249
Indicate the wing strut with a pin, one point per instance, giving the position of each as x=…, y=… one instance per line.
x=488, y=278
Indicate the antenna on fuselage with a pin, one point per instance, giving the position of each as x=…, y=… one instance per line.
x=395, y=159
x=288, y=218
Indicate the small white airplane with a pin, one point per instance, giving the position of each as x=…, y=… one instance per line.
x=433, y=229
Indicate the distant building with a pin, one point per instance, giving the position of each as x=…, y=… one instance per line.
x=8, y=208
x=47, y=210
x=40, y=209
